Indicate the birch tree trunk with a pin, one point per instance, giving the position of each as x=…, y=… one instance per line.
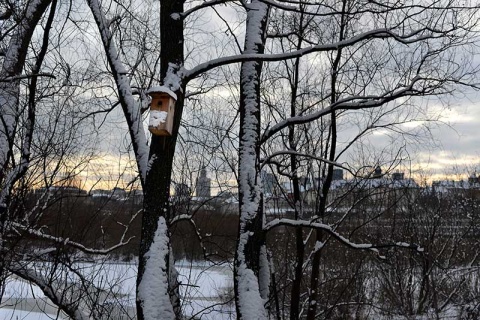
x=251, y=280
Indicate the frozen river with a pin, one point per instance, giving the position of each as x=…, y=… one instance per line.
x=205, y=291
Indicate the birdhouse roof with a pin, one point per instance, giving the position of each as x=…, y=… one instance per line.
x=162, y=89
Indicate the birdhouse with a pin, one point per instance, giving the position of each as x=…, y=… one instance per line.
x=162, y=110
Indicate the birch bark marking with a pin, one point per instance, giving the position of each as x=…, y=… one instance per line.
x=250, y=254
x=157, y=285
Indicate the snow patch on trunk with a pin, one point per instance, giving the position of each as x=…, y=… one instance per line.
x=153, y=288
x=250, y=303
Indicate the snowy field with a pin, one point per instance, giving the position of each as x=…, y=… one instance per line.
x=205, y=289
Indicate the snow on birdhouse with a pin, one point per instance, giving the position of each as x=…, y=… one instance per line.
x=162, y=110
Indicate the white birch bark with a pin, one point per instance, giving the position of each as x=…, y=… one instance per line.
x=250, y=302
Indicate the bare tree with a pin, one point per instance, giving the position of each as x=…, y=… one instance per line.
x=372, y=57
x=42, y=146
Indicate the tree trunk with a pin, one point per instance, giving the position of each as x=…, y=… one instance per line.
x=157, y=286
x=10, y=111
x=312, y=300
x=297, y=201
x=12, y=67
x=250, y=256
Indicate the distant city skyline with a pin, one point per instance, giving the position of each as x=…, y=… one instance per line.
x=453, y=155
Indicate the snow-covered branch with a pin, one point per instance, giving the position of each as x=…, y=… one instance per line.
x=53, y=288
x=188, y=218
x=328, y=229
x=131, y=109
x=67, y=242
x=349, y=103
x=373, y=7
x=203, y=5
x=27, y=76
x=413, y=37
x=267, y=160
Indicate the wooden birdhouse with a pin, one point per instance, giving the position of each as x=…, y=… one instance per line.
x=162, y=109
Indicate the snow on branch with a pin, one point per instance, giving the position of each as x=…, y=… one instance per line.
x=181, y=217
x=203, y=5
x=188, y=218
x=131, y=109
x=327, y=228
x=306, y=155
x=381, y=7
x=173, y=78
x=284, y=7
x=54, y=289
x=68, y=242
x=349, y=103
x=382, y=33
x=26, y=76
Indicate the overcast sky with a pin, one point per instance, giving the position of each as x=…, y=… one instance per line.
x=454, y=149
x=458, y=139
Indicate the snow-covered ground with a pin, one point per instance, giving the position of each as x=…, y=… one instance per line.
x=205, y=289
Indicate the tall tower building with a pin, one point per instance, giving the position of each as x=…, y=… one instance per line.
x=202, y=186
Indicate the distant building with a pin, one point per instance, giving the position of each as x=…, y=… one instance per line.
x=202, y=187
x=100, y=193
x=269, y=182
x=468, y=188
x=136, y=196
x=474, y=179
x=377, y=173
x=114, y=194
x=397, y=176
x=119, y=193
x=60, y=191
x=182, y=193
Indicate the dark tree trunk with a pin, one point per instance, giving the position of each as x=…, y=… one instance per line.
x=12, y=66
x=297, y=201
x=159, y=171
x=312, y=302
